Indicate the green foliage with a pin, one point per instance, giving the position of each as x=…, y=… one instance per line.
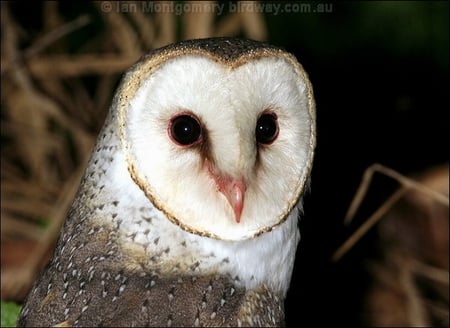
x=10, y=314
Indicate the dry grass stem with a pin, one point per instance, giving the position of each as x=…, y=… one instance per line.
x=198, y=24
x=430, y=271
x=368, y=224
x=51, y=37
x=409, y=275
x=406, y=183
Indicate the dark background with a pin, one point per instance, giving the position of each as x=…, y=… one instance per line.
x=380, y=76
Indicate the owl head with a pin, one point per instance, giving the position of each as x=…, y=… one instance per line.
x=219, y=134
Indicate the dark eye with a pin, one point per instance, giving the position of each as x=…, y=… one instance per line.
x=266, y=129
x=185, y=130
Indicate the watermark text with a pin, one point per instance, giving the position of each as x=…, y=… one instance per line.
x=218, y=8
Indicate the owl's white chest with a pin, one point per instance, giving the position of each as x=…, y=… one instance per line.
x=266, y=259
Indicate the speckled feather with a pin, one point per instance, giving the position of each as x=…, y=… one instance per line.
x=118, y=264
x=92, y=281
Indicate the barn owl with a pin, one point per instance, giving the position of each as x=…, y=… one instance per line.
x=187, y=214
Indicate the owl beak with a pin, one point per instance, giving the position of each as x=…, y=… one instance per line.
x=234, y=192
x=232, y=189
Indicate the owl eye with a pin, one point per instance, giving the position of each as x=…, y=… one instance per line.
x=266, y=129
x=185, y=130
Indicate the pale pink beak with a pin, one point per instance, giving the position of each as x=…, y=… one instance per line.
x=232, y=189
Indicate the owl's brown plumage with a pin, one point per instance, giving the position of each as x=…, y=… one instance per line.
x=153, y=238
x=95, y=288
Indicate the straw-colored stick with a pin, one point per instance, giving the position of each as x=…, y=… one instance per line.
x=407, y=184
x=368, y=224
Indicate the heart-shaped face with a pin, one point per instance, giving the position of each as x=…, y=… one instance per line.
x=219, y=137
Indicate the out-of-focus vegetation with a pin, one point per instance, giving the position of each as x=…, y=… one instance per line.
x=10, y=313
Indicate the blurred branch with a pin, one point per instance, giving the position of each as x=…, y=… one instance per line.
x=407, y=185
x=56, y=34
x=199, y=23
x=68, y=66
